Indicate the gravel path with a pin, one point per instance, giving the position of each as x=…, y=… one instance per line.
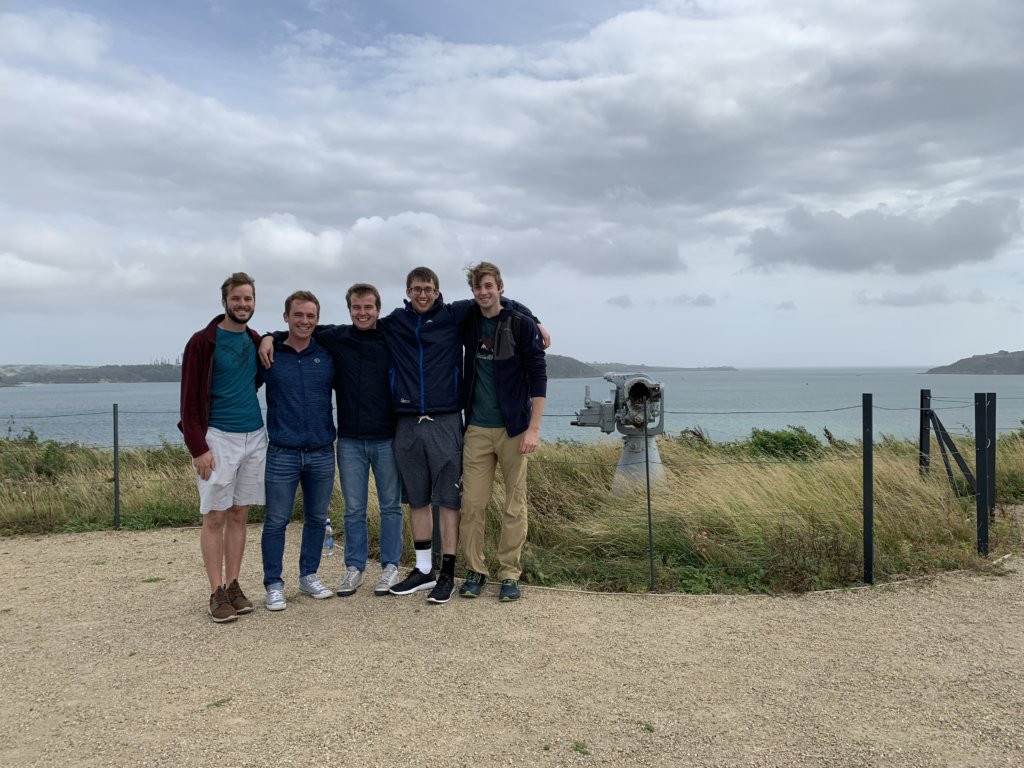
x=109, y=660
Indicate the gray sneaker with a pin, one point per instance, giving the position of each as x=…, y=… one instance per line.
x=275, y=598
x=312, y=586
x=350, y=581
x=388, y=579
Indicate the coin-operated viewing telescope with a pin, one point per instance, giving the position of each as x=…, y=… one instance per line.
x=636, y=410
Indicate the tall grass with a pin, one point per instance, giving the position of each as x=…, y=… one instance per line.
x=774, y=513
x=736, y=518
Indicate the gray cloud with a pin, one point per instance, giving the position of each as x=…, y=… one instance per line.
x=919, y=297
x=686, y=300
x=879, y=239
x=785, y=306
x=623, y=301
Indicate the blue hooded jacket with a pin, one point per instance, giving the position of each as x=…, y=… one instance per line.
x=426, y=352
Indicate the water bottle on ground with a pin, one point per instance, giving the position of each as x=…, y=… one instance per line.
x=328, y=539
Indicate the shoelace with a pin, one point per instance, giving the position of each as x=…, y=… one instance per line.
x=275, y=595
x=349, y=578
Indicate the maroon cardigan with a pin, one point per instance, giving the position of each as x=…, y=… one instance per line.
x=197, y=382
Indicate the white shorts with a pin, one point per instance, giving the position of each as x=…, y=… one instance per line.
x=240, y=459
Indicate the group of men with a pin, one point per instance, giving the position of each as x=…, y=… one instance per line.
x=432, y=398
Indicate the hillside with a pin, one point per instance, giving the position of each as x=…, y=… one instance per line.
x=1001, y=362
x=12, y=375
x=562, y=367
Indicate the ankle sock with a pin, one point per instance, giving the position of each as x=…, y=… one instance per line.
x=423, y=556
x=448, y=565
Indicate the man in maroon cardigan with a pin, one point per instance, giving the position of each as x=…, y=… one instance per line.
x=223, y=427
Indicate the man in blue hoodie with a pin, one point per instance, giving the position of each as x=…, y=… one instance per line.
x=301, y=449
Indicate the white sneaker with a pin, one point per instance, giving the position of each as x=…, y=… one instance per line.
x=388, y=579
x=350, y=581
x=312, y=586
x=275, y=598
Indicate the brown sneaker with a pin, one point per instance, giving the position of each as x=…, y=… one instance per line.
x=238, y=600
x=220, y=609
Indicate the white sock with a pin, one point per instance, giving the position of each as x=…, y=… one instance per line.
x=424, y=561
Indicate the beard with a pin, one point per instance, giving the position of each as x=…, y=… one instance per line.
x=233, y=316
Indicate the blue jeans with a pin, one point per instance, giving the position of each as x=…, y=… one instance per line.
x=286, y=469
x=355, y=457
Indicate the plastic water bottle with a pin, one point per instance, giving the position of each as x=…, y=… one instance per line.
x=328, y=539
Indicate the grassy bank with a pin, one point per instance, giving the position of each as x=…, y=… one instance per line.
x=777, y=512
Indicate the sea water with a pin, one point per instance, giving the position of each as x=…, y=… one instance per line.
x=726, y=405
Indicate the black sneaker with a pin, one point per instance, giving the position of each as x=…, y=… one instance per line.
x=442, y=593
x=472, y=585
x=509, y=591
x=416, y=581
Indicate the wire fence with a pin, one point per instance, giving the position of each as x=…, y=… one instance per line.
x=976, y=491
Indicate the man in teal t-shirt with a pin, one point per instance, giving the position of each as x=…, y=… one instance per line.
x=223, y=428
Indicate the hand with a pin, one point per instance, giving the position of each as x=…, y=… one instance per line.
x=545, y=337
x=204, y=465
x=267, y=351
x=530, y=441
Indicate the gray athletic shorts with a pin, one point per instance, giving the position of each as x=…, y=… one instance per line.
x=429, y=455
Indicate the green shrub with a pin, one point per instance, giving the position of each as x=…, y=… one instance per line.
x=791, y=443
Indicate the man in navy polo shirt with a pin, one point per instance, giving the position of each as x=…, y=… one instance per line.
x=301, y=431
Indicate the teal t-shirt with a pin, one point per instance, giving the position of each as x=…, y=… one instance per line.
x=485, y=411
x=234, y=407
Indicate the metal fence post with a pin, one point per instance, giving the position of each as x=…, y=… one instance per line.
x=992, y=437
x=650, y=517
x=117, y=476
x=869, y=492
x=981, y=470
x=924, y=442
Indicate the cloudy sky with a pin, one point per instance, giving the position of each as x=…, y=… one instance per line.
x=734, y=182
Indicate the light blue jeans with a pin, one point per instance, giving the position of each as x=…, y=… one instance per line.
x=286, y=469
x=355, y=458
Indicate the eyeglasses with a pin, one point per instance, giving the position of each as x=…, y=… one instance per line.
x=418, y=291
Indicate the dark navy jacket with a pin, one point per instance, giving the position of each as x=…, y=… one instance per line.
x=520, y=369
x=362, y=365
x=299, y=397
x=426, y=353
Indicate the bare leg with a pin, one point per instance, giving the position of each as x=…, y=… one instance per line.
x=211, y=542
x=450, y=519
x=422, y=523
x=234, y=542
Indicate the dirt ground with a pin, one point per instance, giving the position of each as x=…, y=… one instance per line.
x=108, y=659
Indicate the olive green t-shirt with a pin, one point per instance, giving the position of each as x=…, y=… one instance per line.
x=485, y=411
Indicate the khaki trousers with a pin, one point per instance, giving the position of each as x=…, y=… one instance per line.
x=483, y=449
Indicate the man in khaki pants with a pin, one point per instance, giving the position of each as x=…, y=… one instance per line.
x=505, y=384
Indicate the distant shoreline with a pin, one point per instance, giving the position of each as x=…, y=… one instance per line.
x=559, y=367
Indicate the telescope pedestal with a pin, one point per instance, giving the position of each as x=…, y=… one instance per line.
x=632, y=471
